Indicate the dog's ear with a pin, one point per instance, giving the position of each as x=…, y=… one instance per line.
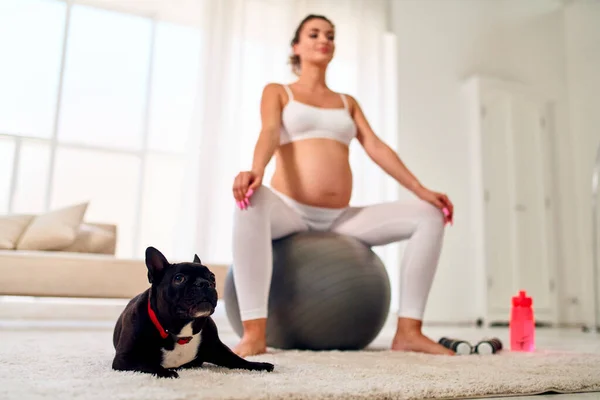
x=197, y=259
x=156, y=264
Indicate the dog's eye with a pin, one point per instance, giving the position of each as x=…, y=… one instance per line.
x=178, y=279
x=212, y=277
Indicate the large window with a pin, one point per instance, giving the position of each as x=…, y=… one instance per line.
x=105, y=84
x=150, y=118
x=31, y=41
x=97, y=106
x=7, y=155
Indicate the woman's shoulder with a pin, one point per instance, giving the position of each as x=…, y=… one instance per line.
x=279, y=91
x=274, y=87
x=347, y=96
x=350, y=100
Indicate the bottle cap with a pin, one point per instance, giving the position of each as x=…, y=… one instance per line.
x=522, y=300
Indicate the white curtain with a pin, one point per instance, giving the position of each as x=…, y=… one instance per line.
x=246, y=44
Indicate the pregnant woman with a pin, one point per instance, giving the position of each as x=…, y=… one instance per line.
x=308, y=128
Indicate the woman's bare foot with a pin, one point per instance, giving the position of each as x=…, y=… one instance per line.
x=419, y=343
x=410, y=338
x=254, y=340
x=250, y=346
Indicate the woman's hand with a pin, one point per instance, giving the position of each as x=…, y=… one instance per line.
x=439, y=200
x=244, y=184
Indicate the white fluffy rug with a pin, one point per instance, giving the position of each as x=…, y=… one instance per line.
x=76, y=365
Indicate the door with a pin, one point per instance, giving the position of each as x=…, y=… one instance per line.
x=517, y=164
x=497, y=182
x=532, y=239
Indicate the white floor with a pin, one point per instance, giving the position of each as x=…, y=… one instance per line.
x=66, y=314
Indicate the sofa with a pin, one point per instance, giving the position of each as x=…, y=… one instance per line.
x=59, y=254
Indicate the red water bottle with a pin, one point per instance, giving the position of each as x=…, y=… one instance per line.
x=522, y=323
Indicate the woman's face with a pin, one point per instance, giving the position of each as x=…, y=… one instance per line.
x=316, y=43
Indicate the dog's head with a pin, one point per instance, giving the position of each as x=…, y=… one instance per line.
x=187, y=290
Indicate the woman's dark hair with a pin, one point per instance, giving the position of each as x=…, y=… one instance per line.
x=295, y=59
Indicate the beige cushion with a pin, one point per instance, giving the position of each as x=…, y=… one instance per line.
x=92, y=239
x=11, y=229
x=62, y=274
x=54, y=230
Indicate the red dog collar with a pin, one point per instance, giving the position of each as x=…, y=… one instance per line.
x=163, y=333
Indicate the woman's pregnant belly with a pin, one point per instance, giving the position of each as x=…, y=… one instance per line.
x=315, y=172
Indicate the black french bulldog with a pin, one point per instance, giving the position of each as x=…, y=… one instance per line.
x=168, y=326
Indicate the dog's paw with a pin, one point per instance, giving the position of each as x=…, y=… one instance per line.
x=261, y=366
x=166, y=373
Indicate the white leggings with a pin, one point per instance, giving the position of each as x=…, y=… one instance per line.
x=273, y=215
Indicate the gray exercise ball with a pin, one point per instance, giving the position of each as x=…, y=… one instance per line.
x=328, y=292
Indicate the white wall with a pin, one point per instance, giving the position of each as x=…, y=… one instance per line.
x=582, y=33
x=440, y=43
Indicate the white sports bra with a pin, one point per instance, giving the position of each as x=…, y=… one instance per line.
x=302, y=121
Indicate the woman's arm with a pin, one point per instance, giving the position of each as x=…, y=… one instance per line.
x=378, y=151
x=268, y=139
x=386, y=158
x=266, y=144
